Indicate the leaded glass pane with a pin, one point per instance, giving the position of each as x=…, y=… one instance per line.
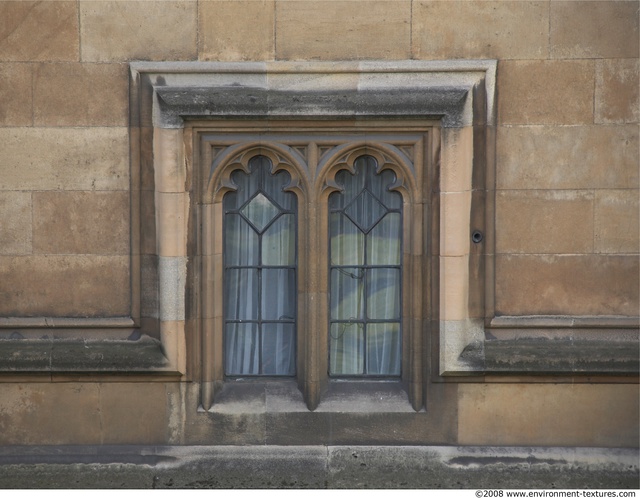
x=275, y=185
x=383, y=348
x=247, y=184
x=352, y=185
x=278, y=286
x=347, y=241
x=241, y=294
x=383, y=242
x=347, y=293
x=278, y=242
x=380, y=189
x=240, y=242
x=383, y=301
x=365, y=211
x=242, y=349
x=346, y=349
x=278, y=349
x=260, y=211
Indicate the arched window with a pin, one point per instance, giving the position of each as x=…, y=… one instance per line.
x=365, y=224
x=260, y=273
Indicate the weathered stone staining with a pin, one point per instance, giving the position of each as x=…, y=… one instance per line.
x=524, y=360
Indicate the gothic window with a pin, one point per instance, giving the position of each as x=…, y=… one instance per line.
x=260, y=273
x=365, y=224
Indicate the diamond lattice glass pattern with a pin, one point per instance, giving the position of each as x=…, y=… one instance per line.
x=260, y=211
x=365, y=211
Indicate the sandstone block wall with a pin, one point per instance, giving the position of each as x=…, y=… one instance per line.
x=567, y=176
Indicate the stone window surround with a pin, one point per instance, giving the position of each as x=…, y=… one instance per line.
x=460, y=94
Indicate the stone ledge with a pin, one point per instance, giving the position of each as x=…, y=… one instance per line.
x=553, y=356
x=316, y=467
x=135, y=354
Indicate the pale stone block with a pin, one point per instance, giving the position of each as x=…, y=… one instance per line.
x=169, y=167
x=172, y=280
x=544, y=221
x=455, y=209
x=174, y=344
x=480, y=30
x=138, y=30
x=172, y=211
x=594, y=29
x=454, y=290
x=81, y=95
x=70, y=286
x=456, y=159
x=570, y=157
x=38, y=31
x=81, y=222
x=15, y=223
x=455, y=336
x=236, y=30
x=64, y=158
x=369, y=29
x=617, y=221
x=546, y=92
x=133, y=412
x=27, y=413
x=567, y=285
x=16, y=101
x=545, y=414
x=617, y=91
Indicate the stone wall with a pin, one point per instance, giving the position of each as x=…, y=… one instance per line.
x=566, y=203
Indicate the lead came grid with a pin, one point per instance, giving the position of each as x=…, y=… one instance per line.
x=365, y=221
x=260, y=273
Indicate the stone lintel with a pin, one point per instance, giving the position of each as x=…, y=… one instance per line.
x=177, y=103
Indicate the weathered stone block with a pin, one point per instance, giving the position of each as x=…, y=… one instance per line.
x=617, y=91
x=64, y=158
x=546, y=92
x=544, y=221
x=15, y=222
x=371, y=29
x=617, y=221
x=138, y=30
x=590, y=29
x=81, y=95
x=133, y=413
x=16, y=101
x=35, y=413
x=568, y=157
x=74, y=286
x=236, y=30
x=567, y=285
x=39, y=31
x=481, y=30
x=81, y=222
x=545, y=414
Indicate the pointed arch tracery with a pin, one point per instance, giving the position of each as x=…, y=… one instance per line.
x=237, y=157
x=386, y=157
